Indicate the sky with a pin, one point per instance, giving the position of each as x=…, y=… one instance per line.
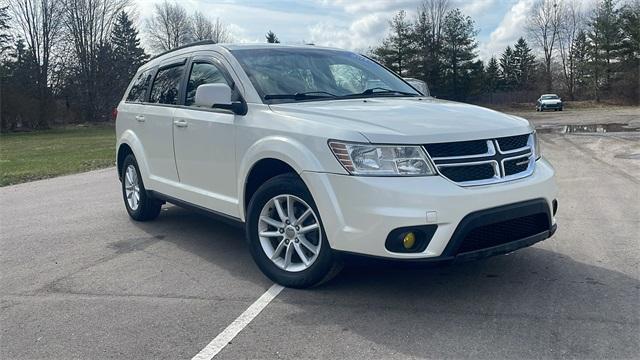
x=350, y=24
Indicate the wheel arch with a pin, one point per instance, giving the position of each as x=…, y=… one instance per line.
x=267, y=158
x=130, y=144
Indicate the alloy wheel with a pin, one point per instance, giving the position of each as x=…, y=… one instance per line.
x=132, y=187
x=290, y=233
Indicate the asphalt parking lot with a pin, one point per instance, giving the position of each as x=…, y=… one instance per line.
x=78, y=279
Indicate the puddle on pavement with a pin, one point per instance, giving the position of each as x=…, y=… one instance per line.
x=590, y=128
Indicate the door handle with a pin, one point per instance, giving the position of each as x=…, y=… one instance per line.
x=181, y=123
x=140, y=118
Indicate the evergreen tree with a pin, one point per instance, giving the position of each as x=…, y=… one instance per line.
x=605, y=38
x=492, y=76
x=524, y=62
x=272, y=38
x=126, y=46
x=508, y=69
x=458, y=48
x=126, y=57
x=580, y=54
x=396, y=49
x=5, y=35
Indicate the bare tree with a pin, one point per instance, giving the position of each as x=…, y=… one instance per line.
x=572, y=22
x=221, y=33
x=89, y=24
x=168, y=27
x=435, y=11
x=202, y=28
x=39, y=23
x=543, y=27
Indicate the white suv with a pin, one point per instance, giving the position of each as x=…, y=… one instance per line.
x=322, y=151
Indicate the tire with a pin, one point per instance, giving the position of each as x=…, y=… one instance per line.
x=145, y=208
x=265, y=237
x=560, y=109
x=541, y=109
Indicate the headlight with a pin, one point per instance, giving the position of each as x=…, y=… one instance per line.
x=382, y=160
x=537, y=150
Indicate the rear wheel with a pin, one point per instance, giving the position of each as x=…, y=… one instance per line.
x=139, y=204
x=286, y=235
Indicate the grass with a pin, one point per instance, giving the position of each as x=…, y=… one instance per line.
x=44, y=154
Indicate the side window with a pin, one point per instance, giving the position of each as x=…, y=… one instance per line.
x=202, y=73
x=166, y=86
x=139, y=88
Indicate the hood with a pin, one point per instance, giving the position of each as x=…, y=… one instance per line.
x=408, y=120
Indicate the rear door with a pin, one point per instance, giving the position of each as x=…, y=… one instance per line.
x=157, y=120
x=204, y=141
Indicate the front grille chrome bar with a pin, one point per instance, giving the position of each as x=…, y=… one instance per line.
x=494, y=156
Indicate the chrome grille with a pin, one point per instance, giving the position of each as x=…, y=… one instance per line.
x=482, y=162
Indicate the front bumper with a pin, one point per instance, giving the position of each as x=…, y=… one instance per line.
x=359, y=212
x=551, y=106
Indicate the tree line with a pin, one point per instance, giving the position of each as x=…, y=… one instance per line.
x=71, y=60
x=579, y=53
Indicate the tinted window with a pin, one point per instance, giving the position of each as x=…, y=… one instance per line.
x=166, y=85
x=139, y=88
x=202, y=73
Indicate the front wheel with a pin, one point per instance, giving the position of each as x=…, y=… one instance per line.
x=139, y=204
x=286, y=236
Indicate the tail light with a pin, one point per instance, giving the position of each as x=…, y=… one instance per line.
x=114, y=114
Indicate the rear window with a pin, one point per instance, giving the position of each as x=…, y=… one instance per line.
x=140, y=86
x=166, y=86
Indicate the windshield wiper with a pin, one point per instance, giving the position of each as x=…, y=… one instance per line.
x=301, y=95
x=385, y=91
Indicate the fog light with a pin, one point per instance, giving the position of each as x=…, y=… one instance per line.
x=409, y=240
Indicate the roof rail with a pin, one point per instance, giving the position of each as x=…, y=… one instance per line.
x=202, y=42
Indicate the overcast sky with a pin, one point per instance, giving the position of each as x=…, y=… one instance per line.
x=350, y=24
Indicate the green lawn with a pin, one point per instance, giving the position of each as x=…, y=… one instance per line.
x=43, y=154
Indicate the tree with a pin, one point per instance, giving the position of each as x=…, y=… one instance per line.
x=205, y=29
x=582, y=67
x=395, y=51
x=508, y=69
x=5, y=35
x=524, y=64
x=605, y=39
x=427, y=42
x=168, y=27
x=39, y=23
x=458, y=47
x=492, y=75
x=89, y=24
x=127, y=53
x=272, y=38
x=543, y=27
x=570, y=26
x=630, y=50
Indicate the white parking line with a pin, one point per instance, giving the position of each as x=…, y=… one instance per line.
x=220, y=341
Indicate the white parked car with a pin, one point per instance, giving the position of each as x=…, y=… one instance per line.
x=549, y=102
x=294, y=142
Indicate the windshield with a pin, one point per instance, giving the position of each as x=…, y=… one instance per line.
x=549, y=97
x=288, y=75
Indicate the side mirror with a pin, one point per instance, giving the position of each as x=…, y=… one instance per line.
x=208, y=95
x=218, y=96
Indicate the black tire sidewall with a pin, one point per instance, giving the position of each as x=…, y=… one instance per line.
x=280, y=185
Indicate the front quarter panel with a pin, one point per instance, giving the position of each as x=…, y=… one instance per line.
x=263, y=134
